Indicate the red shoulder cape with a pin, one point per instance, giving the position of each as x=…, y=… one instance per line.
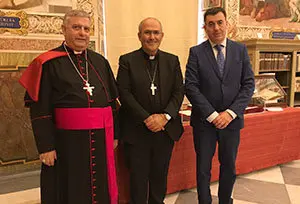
x=31, y=78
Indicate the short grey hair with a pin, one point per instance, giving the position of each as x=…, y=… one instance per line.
x=75, y=13
x=143, y=21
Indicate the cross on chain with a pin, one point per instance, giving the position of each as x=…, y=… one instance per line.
x=88, y=88
x=153, y=88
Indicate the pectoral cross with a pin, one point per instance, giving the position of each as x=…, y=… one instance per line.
x=153, y=88
x=88, y=88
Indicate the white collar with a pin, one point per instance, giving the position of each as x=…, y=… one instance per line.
x=224, y=43
x=75, y=52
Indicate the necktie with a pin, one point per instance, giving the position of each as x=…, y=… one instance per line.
x=220, y=58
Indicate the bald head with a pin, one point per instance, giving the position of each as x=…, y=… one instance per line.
x=149, y=19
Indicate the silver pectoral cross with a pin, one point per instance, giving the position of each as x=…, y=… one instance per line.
x=153, y=88
x=88, y=88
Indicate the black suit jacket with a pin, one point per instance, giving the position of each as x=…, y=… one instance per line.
x=133, y=83
x=208, y=91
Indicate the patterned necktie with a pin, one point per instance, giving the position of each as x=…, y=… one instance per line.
x=220, y=58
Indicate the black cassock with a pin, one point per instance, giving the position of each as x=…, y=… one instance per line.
x=79, y=175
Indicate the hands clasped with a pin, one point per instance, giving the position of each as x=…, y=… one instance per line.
x=156, y=122
x=223, y=119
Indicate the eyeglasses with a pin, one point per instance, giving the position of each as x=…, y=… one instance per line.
x=150, y=32
x=80, y=27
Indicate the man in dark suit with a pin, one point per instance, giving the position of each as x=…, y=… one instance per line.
x=151, y=92
x=219, y=84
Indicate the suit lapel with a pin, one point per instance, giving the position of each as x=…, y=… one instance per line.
x=212, y=59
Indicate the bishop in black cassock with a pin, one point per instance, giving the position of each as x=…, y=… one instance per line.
x=59, y=108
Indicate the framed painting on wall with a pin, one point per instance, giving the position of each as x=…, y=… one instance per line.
x=45, y=16
x=251, y=17
x=41, y=6
x=206, y=4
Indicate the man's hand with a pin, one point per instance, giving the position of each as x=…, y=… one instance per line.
x=222, y=120
x=48, y=158
x=156, y=122
x=116, y=142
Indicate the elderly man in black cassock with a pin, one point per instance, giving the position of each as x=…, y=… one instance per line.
x=71, y=94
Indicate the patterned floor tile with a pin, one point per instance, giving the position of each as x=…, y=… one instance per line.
x=215, y=200
x=242, y=202
x=19, y=182
x=187, y=197
x=31, y=196
x=260, y=192
x=261, y=187
x=291, y=175
x=294, y=164
x=193, y=190
x=171, y=198
x=214, y=188
x=294, y=193
x=272, y=174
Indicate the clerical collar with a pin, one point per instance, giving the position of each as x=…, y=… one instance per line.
x=77, y=53
x=71, y=50
x=151, y=57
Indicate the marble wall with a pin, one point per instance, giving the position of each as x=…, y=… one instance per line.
x=15, y=128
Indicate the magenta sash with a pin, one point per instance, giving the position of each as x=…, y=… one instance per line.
x=93, y=118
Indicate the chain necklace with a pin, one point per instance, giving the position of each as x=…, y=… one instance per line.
x=87, y=87
x=152, y=87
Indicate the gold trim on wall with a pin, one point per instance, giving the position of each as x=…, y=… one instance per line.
x=12, y=67
x=19, y=161
x=12, y=61
x=23, y=22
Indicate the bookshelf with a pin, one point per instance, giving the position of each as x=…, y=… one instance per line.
x=281, y=58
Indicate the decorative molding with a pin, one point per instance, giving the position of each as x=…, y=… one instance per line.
x=12, y=68
x=245, y=32
x=101, y=27
x=87, y=6
x=28, y=44
x=18, y=161
x=45, y=24
x=40, y=45
x=11, y=20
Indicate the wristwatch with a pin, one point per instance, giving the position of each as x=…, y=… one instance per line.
x=168, y=117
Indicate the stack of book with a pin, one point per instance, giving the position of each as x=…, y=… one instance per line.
x=274, y=61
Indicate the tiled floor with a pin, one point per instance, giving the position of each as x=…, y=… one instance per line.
x=276, y=185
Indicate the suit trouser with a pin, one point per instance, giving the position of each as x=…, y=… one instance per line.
x=205, y=139
x=148, y=164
